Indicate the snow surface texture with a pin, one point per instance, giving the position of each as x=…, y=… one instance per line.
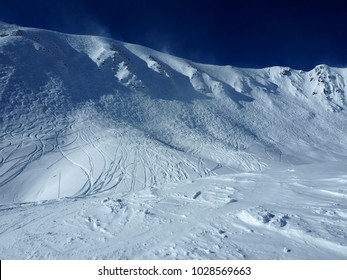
x=110, y=150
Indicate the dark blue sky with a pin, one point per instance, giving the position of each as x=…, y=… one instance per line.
x=246, y=33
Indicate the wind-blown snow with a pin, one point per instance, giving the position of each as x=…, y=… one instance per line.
x=114, y=150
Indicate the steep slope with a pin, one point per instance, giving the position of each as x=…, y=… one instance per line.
x=67, y=100
x=86, y=116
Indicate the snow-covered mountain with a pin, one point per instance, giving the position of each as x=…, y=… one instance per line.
x=114, y=150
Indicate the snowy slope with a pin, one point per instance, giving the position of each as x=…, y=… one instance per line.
x=114, y=150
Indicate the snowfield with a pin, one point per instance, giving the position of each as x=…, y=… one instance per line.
x=110, y=150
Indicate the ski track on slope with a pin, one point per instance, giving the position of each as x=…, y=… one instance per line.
x=84, y=143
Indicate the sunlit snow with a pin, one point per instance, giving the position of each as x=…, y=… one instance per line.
x=110, y=150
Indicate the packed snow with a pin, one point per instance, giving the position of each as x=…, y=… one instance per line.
x=110, y=150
